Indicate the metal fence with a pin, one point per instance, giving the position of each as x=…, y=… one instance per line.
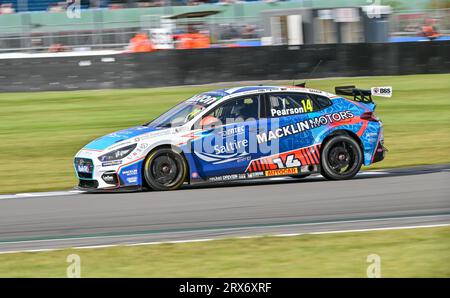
x=116, y=35
x=171, y=68
x=98, y=34
x=409, y=22
x=74, y=39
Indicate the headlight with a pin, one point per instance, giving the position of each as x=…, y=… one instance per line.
x=117, y=154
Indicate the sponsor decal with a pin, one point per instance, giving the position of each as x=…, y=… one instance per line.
x=230, y=151
x=130, y=175
x=233, y=131
x=306, y=107
x=230, y=177
x=245, y=158
x=381, y=91
x=130, y=172
x=83, y=168
x=295, y=158
x=225, y=177
x=132, y=180
x=280, y=172
x=203, y=99
x=138, y=151
x=315, y=91
x=302, y=126
x=156, y=133
x=290, y=162
x=111, y=163
x=255, y=174
x=284, y=112
x=108, y=178
x=235, y=145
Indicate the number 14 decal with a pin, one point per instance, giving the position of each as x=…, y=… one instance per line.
x=291, y=161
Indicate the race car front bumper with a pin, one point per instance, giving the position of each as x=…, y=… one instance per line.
x=113, y=185
x=88, y=187
x=91, y=176
x=95, y=175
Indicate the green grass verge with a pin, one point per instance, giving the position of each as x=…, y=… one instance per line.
x=420, y=252
x=41, y=132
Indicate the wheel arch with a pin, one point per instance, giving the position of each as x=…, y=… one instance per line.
x=160, y=146
x=324, y=164
x=343, y=132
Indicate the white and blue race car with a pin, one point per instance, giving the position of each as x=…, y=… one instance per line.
x=239, y=133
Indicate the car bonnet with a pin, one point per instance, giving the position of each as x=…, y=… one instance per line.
x=108, y=140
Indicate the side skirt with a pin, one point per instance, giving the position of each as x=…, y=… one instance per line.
x=284, y=172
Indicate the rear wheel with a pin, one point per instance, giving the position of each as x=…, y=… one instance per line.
x=165, y=169
x=341, y=158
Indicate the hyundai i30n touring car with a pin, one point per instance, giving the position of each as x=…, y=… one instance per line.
x=237, y=134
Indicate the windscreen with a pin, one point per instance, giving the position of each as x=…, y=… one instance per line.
x=185, y=111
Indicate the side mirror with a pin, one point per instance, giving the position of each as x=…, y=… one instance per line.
x=209, y=122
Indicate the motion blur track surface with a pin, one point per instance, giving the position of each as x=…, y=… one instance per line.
x=383, y=199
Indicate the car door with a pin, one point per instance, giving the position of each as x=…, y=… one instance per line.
x=286, y=138
x=227, y=147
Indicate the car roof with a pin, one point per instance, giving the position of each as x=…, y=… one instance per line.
x=242, y=89
x=216, y=97
x=231, y=92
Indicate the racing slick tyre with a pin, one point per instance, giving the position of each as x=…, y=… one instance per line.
x=165, y=169
x=341, y=158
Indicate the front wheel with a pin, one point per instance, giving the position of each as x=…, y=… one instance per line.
x=165, y=169
x=341, y=158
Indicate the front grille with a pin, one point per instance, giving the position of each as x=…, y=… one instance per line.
x=84, y=167
x=85, y=175
x=88, y=183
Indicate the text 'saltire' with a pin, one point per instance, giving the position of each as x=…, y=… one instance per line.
x=341, y=158
x=165, y=169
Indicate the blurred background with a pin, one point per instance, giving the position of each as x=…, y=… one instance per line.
x=246, y=40
x=100, y=58
x=86, y=25
x=77, y=46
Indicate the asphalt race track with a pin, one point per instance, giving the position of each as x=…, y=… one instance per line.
x=390, y=198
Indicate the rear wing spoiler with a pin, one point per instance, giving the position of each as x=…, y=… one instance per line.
x=363, y=95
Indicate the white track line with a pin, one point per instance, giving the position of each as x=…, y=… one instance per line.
x=96, y=246
x=230, y=229
x=231, y=238
x=287, y=235
x=28, y=195
x=379, y=229
x=249, y=237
